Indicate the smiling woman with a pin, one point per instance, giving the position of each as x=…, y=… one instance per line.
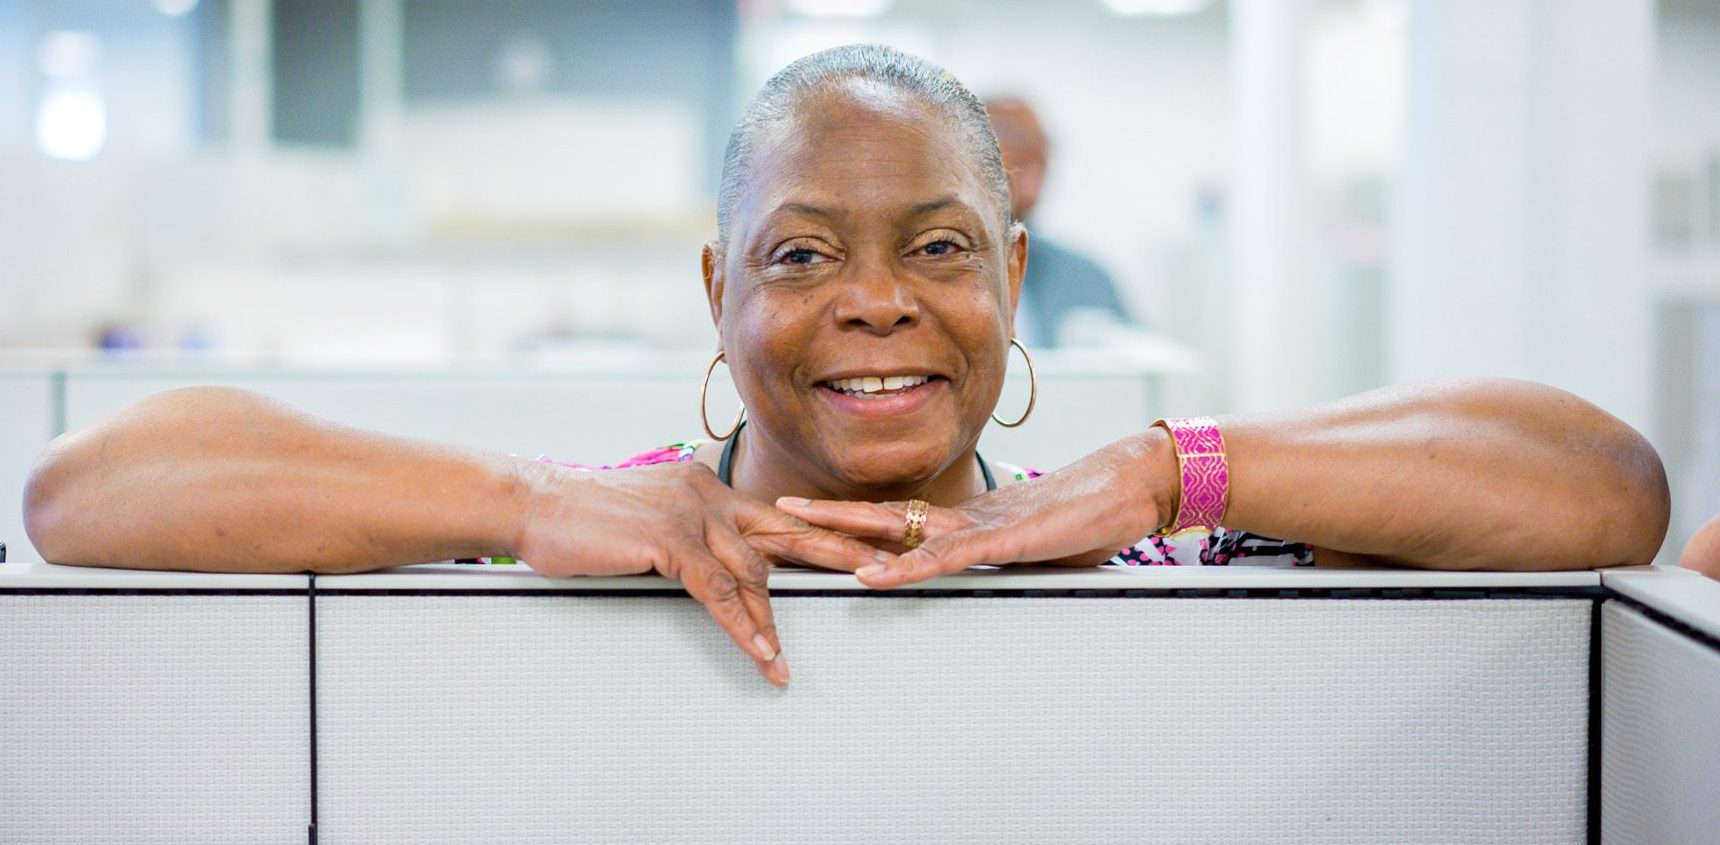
x=863, y=284
x=854, y=252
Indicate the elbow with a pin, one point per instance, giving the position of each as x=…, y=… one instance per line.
x=47, y=511
x=1639, y=504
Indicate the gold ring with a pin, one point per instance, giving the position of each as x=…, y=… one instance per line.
x=915, y=535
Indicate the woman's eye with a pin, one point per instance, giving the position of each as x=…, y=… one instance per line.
x=801, y=256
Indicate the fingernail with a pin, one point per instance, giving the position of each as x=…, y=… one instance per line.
x=872, y=571
x=882, y=556
x=781, y=664
x=765, y=652
x=793, y=501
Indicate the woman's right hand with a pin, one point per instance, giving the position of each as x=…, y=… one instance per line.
x=679, y=521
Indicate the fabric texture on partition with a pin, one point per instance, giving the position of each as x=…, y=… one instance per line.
x=153, y=718
x=984, y=720
x=1660, y=752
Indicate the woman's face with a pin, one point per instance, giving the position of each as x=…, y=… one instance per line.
x=866, y=294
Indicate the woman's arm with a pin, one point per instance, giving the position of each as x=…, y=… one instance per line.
x=1457, y=474
x=223, y=480
x=217, y=479
x=1453, y=474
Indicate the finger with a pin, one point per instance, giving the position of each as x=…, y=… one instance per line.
x=878, y=520
x=709, y=582
x=885, y=520
x=752, y=574
x=774, y=533
x=938, y=556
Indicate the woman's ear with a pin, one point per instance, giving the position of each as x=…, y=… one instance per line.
x=1017, y=246
x=711, y=261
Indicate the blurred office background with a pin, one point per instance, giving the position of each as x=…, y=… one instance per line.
x=1316, y=196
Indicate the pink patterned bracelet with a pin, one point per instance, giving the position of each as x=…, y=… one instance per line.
x=1205, y=475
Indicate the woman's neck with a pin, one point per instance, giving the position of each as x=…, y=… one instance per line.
x=760, y=470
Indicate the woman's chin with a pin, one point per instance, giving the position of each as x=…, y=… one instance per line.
x=883, y=471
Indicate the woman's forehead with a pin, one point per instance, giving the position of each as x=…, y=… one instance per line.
x=862, y=148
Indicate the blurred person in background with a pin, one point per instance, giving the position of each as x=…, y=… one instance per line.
x=1067, y=299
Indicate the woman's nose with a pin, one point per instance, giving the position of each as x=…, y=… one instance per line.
x=876, y=300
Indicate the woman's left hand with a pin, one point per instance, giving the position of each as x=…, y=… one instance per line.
x=1082, y=514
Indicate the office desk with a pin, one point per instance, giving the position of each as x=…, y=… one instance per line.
x=463, y=704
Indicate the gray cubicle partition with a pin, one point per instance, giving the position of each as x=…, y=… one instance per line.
x=954, y=718
x=462, y=704
x=1660, y=735
x=153, y=707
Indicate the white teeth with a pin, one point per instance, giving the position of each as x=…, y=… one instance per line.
x=862, y=385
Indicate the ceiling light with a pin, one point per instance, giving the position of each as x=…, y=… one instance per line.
x=840, y=8
x=1156, y=8
x=175, y=8
x=71, y=126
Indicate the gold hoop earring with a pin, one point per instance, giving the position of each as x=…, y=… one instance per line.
x=704, y=418
x=1032, y=388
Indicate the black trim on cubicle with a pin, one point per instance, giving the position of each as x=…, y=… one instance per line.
x=1697, y=634
x=1595, y=712
x=1409, y=594
x=150, y=591
x=311, y=628
x=1436, y=594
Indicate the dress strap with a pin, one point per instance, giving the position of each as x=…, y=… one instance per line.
x=726, y=463
x=985, y=469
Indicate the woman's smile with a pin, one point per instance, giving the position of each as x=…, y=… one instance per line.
x=882, y=395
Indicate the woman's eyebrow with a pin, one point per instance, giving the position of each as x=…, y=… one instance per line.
x=804, y=210
x=939, y=204
x=823, y=213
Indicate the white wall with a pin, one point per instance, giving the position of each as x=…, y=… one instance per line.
x=1520, y=218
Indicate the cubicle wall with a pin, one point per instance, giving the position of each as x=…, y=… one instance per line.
x=591, y=414
x=484, y=703
x=955, y=719
x=1660, y=735
x=154, y=716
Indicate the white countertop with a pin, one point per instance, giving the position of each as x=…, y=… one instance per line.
x=451, y=576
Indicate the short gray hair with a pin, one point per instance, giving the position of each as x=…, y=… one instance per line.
x=809, y=75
